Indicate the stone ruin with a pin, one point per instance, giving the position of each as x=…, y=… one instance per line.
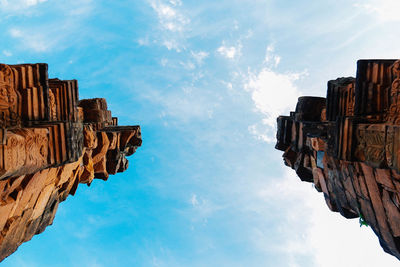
x=348, y=146
x=50, y=142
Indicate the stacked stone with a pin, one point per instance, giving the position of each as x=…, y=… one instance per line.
x=49, y=143
x=348, y=145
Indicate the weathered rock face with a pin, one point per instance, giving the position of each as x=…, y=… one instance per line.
x=348, y=145
x=50, y=142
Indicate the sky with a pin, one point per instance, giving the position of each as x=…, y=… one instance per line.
x=205, y=80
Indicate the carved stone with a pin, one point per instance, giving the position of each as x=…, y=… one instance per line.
x=50, y=142
x=348, y=145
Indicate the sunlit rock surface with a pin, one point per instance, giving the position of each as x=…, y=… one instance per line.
x=50, y=142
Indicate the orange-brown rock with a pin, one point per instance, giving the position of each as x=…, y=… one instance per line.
x=348, y=145
x=50, y=142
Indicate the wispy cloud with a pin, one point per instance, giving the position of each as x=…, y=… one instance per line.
x=200, y=56
x=18, y=5
x=271, y=58
x=385, y=10
x=169, y=17
x=172, y=44
x=143, y=41
x=185, y=105
x=7, y=53
x=172, y=21
x=43, y=36
x=202, y=208
x=38, y=42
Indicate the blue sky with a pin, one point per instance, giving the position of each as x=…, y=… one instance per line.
x=205, y=80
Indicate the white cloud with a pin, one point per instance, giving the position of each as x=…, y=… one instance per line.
x=203, y=208
x=309, y=228
x=385, y=10
x=35, y=41
x=172, y=44
x=273, y=94
x=233, y=51
x=169, y=17
x=228, y=85
x=33, y=2
x=193, y=104
x=172, y=24
x=13, y=7
x=43, y=37
x=164, y=62
x=80, y=8
x=199, y=56
x=263, y=131
x=230, y=52
x=143, y=41
x=16, y=33
x=196, y=60
x=271, y=58
x=7, y=53
x=176, y=2
x=19, y=4
x=188, y=65
x=235, y=25
x=193, y=200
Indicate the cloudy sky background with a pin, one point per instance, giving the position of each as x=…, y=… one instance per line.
x=205, y=80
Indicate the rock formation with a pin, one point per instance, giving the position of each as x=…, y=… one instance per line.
x=49, y=143
x=348, y=145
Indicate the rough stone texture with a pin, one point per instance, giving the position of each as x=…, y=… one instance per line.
x=348, y=145
x=50, y=142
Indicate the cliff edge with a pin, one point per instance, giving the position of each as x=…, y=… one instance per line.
x=50, y=142
x=348, y=146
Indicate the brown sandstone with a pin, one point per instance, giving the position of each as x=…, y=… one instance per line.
x=348, y=145
x=50, y=142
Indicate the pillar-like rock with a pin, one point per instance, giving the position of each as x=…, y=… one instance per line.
x=50, y=142
x=348, y=145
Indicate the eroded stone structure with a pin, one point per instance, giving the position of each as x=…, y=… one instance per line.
x=50, y=142
x=348, y=145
